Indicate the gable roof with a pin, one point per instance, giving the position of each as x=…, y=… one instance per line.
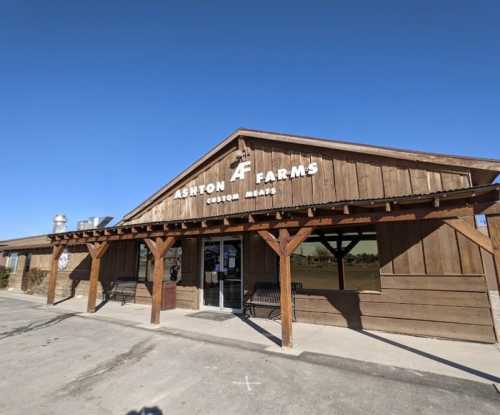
x=482, y=164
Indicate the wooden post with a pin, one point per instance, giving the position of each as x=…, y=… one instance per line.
x=158, y=248
x=493, y=222
x=284, y=246
x=97, y=251
x=54, y=266
x=340, y=267
x=340, y=262
x=286, y=301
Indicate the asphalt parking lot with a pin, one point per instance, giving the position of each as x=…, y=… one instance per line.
x=53, y=362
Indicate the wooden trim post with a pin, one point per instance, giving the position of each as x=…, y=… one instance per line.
x=158, y=248
x=493, y=222
x=97, y=251
x=54, y=266
x=467, y=230
x=284, y=246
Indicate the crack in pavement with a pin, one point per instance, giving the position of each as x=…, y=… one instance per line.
x=88, y=379
x=36, y=326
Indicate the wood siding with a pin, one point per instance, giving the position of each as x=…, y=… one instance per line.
x=342, y=176
x=260, y=263
x=432, y=284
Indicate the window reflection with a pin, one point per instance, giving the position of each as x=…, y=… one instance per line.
x=335, y=261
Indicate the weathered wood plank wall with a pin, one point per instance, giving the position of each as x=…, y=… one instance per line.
x=341, y=176
x=432, y=281
x=260, y=263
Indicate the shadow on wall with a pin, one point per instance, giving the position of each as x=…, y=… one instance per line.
x=408, y=236
x=152, y=410
x=81, y=273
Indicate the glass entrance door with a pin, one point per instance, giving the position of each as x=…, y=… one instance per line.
x=222, y=274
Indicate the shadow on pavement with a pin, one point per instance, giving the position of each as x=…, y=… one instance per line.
x=147, y=410
x=438, y=359
x=260, y=329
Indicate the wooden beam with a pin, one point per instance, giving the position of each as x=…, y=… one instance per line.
x=326, y=243
x=367, y=218
x=158, y=248
x=54, y=266
x=271, y=240
x=297, y=239
x=471, y=233
x=96, y=251
x=490, y=209
x=350, y=246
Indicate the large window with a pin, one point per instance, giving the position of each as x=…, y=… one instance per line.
x=12, y=260
x=172, y=264
x=333, y=261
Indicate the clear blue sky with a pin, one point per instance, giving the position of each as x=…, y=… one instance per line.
x=103, y=102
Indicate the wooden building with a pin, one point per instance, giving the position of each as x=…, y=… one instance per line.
x=372, y=237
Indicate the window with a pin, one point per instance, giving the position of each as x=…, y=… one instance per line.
x=12, y=260
x=172, y=264
x=315, y=266
x=481, y=224
x=361, y=267
x=333, y=261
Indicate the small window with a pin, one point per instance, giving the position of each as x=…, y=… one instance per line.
x=12, y=261
x=481, y=223
x=143, y=262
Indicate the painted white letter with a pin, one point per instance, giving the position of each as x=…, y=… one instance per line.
x=219, y=187
x=270, y=177
x=259, y=177
x=297, y=171
x=312, y=168
x=282, y=174
x=239, y=173
x=210, y=188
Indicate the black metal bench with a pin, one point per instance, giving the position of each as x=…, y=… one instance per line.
x=123, y=289
x=267, y=294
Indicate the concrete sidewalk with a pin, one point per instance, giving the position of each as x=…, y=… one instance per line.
x=472, y=361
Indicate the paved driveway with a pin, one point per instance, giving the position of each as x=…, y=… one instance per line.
x=53, y=362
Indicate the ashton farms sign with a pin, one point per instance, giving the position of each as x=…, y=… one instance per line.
x=216, y=189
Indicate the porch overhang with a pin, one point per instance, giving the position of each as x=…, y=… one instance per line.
x=439, y=205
